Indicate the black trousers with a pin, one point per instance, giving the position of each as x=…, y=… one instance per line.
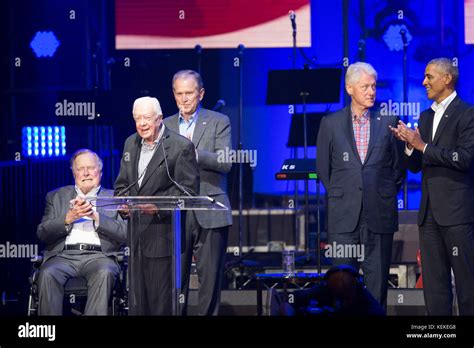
x=375, y=261
x=444, y=248
x=209, y=249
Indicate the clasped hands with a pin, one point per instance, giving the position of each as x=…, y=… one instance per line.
x=411, y=137
x=79, y=208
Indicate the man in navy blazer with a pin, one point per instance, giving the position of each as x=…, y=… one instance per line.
x=442, y=147
x=359, y=162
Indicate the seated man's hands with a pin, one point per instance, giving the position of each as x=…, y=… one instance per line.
x=78, y=209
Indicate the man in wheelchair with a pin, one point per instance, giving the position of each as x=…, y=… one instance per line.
x=82, y=240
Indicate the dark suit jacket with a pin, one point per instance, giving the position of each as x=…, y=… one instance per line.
x=447, y=165
x=351, y=184
x=212, y=133
x=155, y=230
x=112, y=229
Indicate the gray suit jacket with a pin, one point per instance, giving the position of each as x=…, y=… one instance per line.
x=351, y=184
x=212, y=133
x=112, y=229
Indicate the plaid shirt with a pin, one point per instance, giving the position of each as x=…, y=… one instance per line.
x=361, y=126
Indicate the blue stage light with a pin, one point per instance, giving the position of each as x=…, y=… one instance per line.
x=43, y=143
x=393, y=38
x=44, y=44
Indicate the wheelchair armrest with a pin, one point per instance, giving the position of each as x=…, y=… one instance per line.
x=37, y=261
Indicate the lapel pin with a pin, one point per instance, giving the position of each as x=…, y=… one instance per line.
x=378, y=118
x=204, y=122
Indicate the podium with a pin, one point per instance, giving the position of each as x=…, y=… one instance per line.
x=173, y=205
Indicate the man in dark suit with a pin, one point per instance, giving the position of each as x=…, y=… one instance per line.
x=206, y=231
x=156, y=162
x=81, y=240
x=442, y=147
x=359, y=162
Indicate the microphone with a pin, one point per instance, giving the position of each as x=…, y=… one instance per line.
x=181, y=188
x=219, y=105
x=403, y=33
x=198, y=49
x=127, y=188
x=292, y=16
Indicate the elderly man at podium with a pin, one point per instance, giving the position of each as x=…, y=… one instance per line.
x=156, y=162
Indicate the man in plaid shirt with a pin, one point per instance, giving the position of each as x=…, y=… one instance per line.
x=359, y=162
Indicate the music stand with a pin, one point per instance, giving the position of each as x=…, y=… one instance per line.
x=322, y=85
x=314, y=86
x=296, y=137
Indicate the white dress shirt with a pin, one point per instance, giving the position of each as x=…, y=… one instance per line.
x=439, y=109
x=147, y=153
x=84, y=229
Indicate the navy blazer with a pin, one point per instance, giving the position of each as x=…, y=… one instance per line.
x=447, y=164
x=351, y=184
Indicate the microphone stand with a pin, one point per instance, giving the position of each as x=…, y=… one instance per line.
x=240, y=146
x=295, y=150
x=403, y=34
x=304, y=95
x=293, y=26
x=198, y=49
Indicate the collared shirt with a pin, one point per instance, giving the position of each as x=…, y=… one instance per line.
x=186, y=128
x=361, y=126
x=439, y=109
x=146, y=153
x=84, y=229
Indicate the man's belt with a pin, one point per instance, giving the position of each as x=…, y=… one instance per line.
x=81, y=246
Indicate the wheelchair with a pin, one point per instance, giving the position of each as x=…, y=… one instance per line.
x=75, y=291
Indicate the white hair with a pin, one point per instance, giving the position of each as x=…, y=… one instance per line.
x=355, y=71
x=82, y=152
x=149, y=100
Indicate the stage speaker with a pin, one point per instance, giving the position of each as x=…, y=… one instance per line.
x=405, y=241
x=262, y=227
x=405, y=302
